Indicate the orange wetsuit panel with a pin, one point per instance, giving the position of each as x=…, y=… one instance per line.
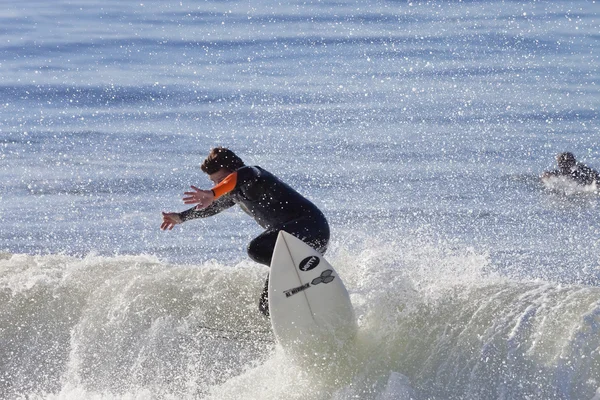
x=226, y=185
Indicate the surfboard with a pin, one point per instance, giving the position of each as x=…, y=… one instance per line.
x=309, y=305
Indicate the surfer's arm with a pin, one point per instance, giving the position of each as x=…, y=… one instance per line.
x=204, y=198
x=215, y=207
x=170, y=220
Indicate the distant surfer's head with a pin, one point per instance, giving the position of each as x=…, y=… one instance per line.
x=221, y=157
x=566, y=160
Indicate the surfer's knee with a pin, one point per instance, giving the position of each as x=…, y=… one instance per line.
x=260, y=252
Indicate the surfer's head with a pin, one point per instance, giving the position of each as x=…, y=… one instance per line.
x=219, y=158
x=566, y=160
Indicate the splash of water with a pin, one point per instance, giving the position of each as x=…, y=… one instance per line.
x=434, y=323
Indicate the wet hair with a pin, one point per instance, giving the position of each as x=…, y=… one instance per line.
x=565, y=159
x=221, y=157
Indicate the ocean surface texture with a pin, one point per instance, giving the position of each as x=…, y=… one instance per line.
x=420, y=129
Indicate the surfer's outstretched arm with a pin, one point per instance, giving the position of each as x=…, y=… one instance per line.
x=204, y=198
x=216, y=207
x=170, y=220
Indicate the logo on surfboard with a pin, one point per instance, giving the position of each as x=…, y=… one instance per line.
x=325, y=277
x=298, y=289
x=309, y=263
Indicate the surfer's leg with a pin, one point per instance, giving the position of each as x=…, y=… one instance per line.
x=263, y=302
x=261, y=247
x=260, y=250
x=313, y=232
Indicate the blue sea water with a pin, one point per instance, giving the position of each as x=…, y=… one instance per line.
x=420, y=128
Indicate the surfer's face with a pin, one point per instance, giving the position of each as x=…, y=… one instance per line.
x=219, y=175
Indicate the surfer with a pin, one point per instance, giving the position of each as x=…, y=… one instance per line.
x=272, y=203
x=569, y=167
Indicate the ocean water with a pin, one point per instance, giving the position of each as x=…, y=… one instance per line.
x=420, y=128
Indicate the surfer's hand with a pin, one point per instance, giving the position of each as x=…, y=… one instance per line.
x=203, y=198
x=170, y=220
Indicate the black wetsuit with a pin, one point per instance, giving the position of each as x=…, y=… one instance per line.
x=275, y=206
x=580, y=173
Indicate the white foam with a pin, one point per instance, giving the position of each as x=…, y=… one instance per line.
x=567, y=186
x=429, y=313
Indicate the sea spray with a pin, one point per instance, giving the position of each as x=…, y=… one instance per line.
x=435, y=322
x=114, y=325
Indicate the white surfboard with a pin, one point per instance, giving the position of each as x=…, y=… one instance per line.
x=308, y=302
